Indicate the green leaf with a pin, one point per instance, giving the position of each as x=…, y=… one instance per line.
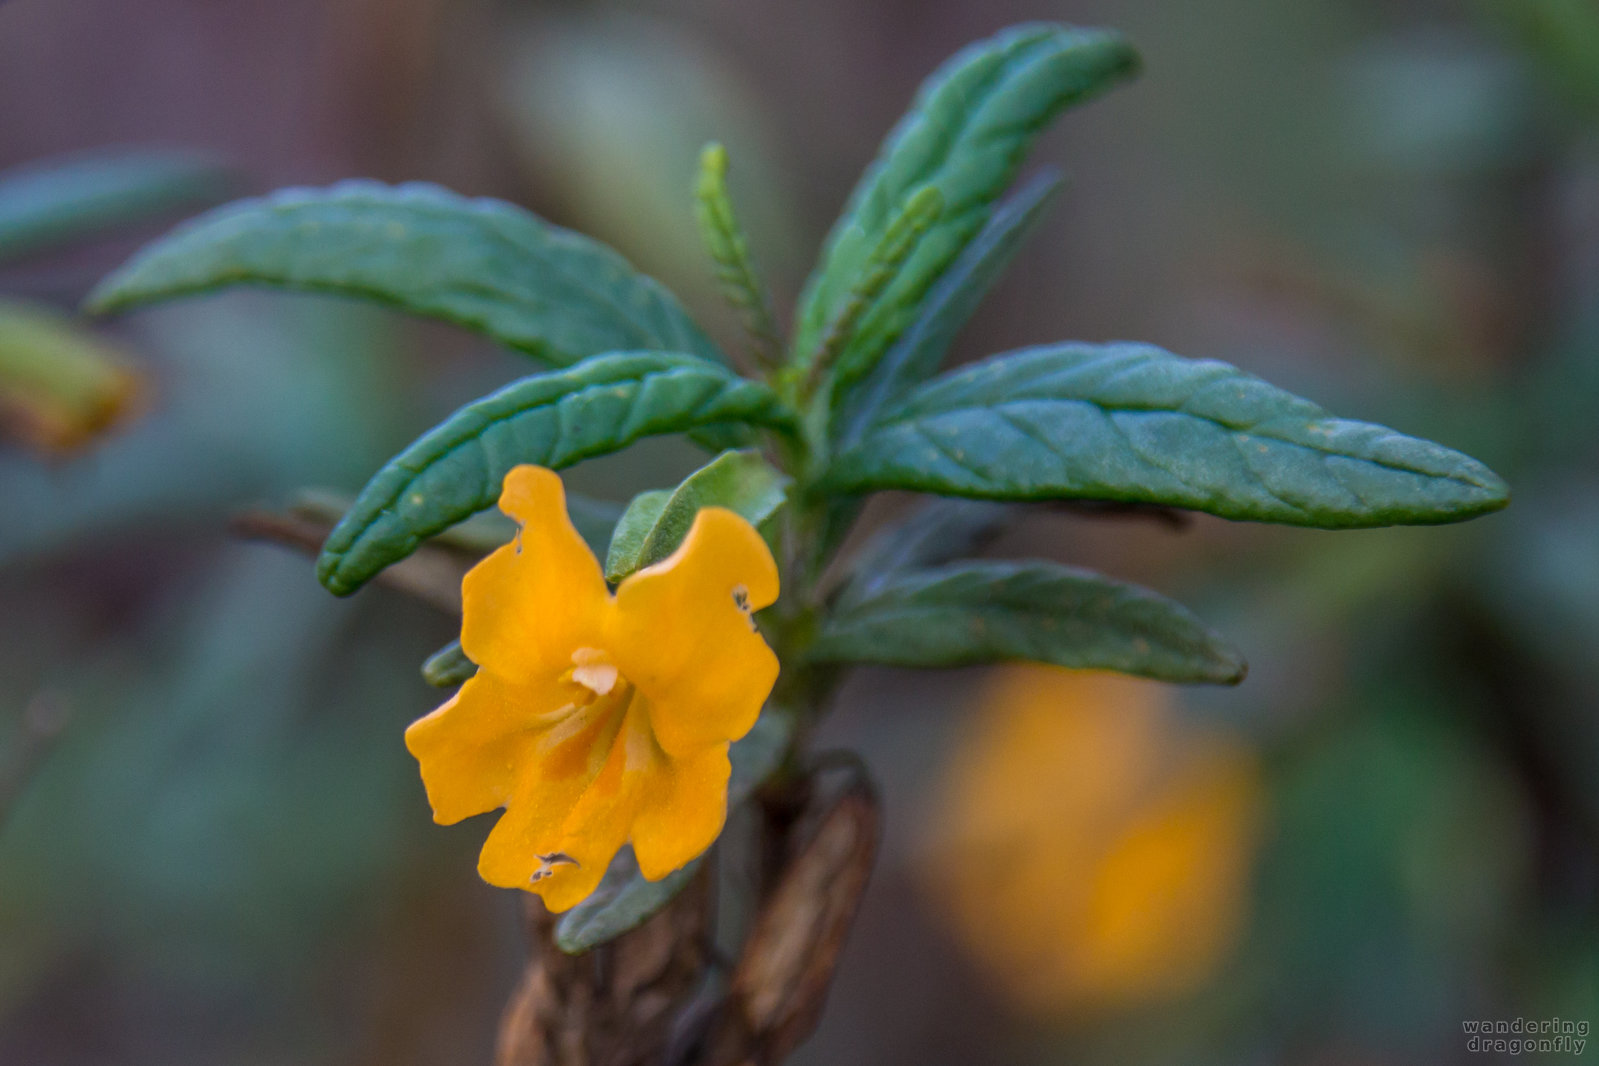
x=553, y=420
x=949, y=304
x=935, y=533
x=983, y=612
x=883, y=265
x=448, y=666
x=656, y=522
x=729, y=250
x=627, y=542
x=624, y=900
x=482, y=264
x=966, y=136
x=758, y=754
x=1560, y=36
x=947, y=307
x=59, y=200
x=1132, y=423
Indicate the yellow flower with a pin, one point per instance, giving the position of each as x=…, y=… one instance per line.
x=1094, y=849
x=598, y=719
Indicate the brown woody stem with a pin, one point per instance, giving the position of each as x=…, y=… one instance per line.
x=651, y=996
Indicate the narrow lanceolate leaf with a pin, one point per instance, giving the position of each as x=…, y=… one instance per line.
x=59, y=200
x=940, y=530
x=553, y=420
x=966, y=135
x=730, y=252
x=632, y=529
x=482, y=264
x=653, y=527
x=757, y=755
x=883, y=265
x=624, y=899
x=1132, y=423
x=948, y=306
x=982, y=612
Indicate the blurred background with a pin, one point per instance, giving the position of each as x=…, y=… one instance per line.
x=213, y=845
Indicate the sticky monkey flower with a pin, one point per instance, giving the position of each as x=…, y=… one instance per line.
x=596, y=719
x=1094, y=848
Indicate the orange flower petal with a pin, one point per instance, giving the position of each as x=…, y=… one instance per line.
x=1166, y=904
x=558, y=842
x=473, y=749
x=1095, y=848
x=683, y=634
x=532, y=837
x=684, y=812
x=532, y=602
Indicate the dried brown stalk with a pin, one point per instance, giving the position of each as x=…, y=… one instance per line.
x=780, y=985
x=649, y=997
x=431, y=574
x=615, y=1005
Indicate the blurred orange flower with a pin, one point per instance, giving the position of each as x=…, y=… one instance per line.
x=594, y=719
x=60, y=385
x=1093, y=850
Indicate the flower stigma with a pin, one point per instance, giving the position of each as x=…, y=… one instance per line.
x=593, y=669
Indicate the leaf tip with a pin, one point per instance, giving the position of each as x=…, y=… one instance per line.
x=330, y=572
x=1496, y=491
x=1220, y=663
x=713, y=160
x=448, y=667
x=1124, y=59
x=1480, y=492
x=106, y=298
x=1117, y=56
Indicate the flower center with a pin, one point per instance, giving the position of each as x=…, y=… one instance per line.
x=594, y=670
